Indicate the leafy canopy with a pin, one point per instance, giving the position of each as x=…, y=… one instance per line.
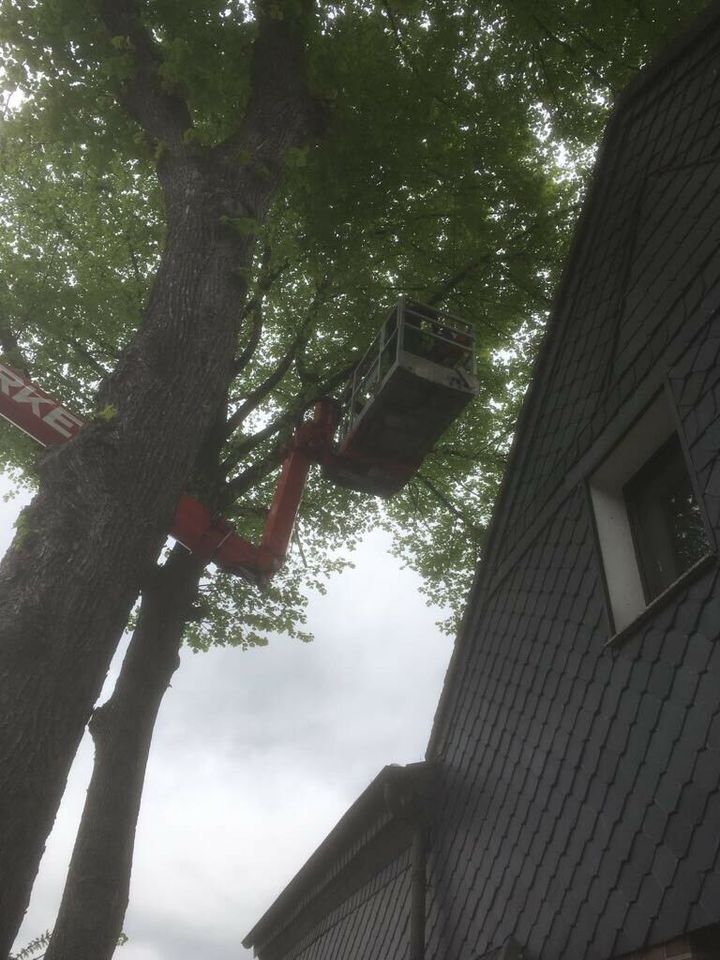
x=459, y=138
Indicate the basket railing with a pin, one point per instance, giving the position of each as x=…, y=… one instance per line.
x=411, y=328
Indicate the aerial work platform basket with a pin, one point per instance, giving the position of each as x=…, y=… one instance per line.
x=416, y=378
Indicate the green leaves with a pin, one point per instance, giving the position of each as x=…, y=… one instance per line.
x=458, y=143
x=106, y=414
x=245, y=226
x=34, y=949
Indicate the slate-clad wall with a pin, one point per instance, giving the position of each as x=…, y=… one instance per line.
x=580, y=805
x=575, y=777
x=371, y=924
x=649, y=266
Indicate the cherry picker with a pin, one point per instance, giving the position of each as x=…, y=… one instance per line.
x=414, y=380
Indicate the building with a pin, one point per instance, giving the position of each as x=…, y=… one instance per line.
x=569, y=806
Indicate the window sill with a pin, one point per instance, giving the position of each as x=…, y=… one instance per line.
x=690, y=575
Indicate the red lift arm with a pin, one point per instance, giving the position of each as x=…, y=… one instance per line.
x=211, y=537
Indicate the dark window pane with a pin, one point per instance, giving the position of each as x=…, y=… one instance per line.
x=665, y=518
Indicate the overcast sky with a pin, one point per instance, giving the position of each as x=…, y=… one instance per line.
x=256, y=756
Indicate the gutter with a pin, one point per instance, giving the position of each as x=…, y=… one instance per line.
x=410, y=802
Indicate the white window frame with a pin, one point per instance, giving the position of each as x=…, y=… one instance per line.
x=650, y=431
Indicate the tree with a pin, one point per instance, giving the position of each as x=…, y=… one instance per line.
x=106, y=498
x=450, y=192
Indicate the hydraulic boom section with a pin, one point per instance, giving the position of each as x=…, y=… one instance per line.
x=214, y=538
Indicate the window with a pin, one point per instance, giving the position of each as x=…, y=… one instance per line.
x=649, y=525
x=665, y=519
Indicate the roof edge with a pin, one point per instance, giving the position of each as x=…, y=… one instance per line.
x=394, y=792
x=674, y=50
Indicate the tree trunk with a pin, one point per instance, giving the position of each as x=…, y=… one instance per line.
x=106, y=498
x=98, y=882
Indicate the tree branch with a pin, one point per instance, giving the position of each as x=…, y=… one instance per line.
x=403, y=48
x=318, y=297
x=290, y=415
x=254, y=306
x=251, y=443
x=294, y=353
x=282, y=112
x=549, y=85
x=586, y=38
x=595, y=74
x=475, y=531
x=262, y=390
x=253, y=341
x=140, y=280
x=11, y=349
x=84, y=354
x=164, y=116
x=253, y=474
x=455, y=280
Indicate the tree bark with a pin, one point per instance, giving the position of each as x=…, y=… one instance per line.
x=106, y=498
x=96, y=892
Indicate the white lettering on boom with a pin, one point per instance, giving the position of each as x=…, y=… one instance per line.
x=28, y=395
x=9, y=379
x=62, y=421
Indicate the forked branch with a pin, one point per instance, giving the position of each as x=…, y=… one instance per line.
x=164, y=116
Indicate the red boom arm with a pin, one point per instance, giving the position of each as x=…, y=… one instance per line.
x=212, y=538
